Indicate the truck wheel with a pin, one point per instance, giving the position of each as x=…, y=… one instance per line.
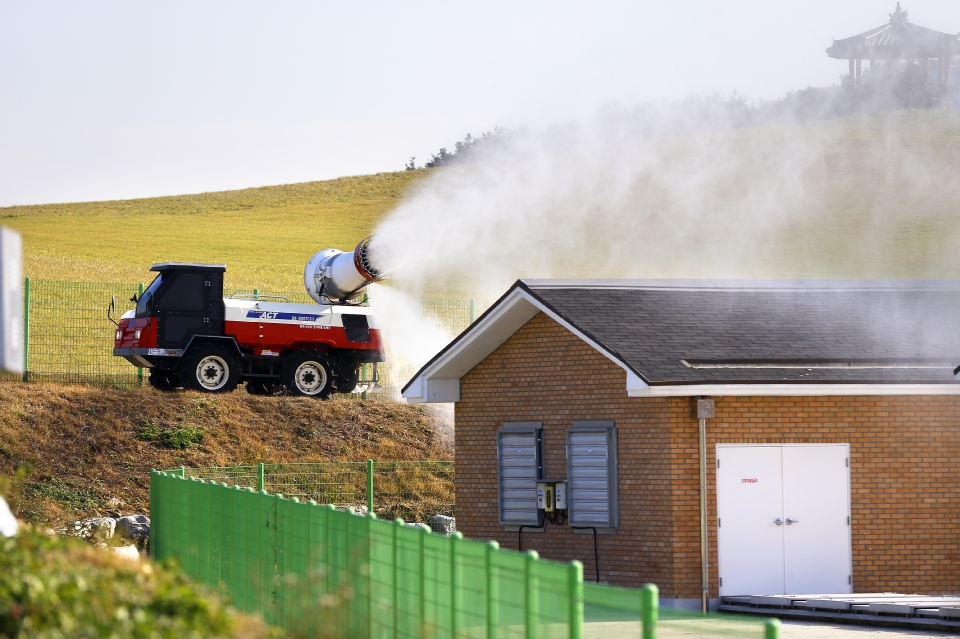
x=307, y=374
x=210, y=369
x=160, y=380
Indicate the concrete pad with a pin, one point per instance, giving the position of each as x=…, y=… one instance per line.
x=820, y=630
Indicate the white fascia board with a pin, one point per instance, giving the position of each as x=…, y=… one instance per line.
x=440, y=382
x=795, y=390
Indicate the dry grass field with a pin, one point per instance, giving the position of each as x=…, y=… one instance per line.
x=66, y=451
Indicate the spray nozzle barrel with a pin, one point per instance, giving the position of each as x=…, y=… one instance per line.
x=334, y=276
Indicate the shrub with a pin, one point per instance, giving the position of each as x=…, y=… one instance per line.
x=178, y=437
x=53, y=587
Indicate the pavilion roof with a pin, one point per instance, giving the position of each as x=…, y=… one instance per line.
x=897, y=39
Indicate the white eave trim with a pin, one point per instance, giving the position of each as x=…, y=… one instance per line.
x=440, y=381
x=794, y=390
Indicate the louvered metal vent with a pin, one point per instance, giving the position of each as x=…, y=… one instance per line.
x=592, y=497
x=519, y=461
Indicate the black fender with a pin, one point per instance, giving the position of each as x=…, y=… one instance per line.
x=229, y=342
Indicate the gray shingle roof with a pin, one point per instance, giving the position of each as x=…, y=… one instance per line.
x=822, y=332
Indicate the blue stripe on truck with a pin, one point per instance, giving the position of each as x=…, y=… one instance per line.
x=275, y=315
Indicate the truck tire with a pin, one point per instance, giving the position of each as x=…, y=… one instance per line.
x=307, y=373
x=209, y=368
x=349, y=376
x=160, y=380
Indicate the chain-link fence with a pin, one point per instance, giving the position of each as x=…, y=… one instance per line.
x=415, y=491
x=70, y=339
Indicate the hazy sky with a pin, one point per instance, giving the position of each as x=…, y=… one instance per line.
x=109, y=100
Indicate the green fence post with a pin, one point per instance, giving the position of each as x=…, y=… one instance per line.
x=260, y=476
x=140, y=368
x=771, y=629
x=395, y=590
x=492, y=594
x=649, y=608
x=531, y=601
x=455, y=583
x=473, y=310
x=369, y=486
x=256, y=293
x=575, y=597
x=183, y=472
x=26, y=328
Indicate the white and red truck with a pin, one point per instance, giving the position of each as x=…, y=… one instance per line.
x=190, y=336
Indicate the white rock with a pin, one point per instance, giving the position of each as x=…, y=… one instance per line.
x=443, y=524
x=98, y=528
x=8, y=523
x=127, y=552
x=423, y=526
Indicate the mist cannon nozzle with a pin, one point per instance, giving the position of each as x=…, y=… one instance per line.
x=335, y=276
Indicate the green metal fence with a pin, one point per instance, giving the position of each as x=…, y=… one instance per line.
x=69, y=339
x=414, y=490
x=323, y=572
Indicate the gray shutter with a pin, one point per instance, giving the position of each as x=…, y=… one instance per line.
x=519, y=467
x=592, y=498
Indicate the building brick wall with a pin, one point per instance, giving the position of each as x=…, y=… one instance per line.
x=905, y=453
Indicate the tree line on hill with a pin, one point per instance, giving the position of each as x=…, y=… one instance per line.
x=886, y=86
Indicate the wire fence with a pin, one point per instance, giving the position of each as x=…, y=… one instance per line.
x=416, y=491
x=323, y=572
x=69, y=338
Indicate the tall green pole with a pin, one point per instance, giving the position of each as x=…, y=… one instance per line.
x=771, y=629
x=140, y=368
x=575, y=599
x=649, y=608
x=260, y=476
x=256, y=293
x=369, y=486
x=26, y=328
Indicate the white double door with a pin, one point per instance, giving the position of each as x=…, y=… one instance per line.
x=783, y=515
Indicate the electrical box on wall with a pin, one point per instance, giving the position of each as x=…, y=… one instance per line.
x=552, y=495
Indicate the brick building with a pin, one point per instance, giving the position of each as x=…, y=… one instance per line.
x=831, y=450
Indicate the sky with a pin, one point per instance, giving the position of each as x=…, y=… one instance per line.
x=114, y=100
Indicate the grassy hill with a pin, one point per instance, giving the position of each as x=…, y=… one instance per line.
x=264, y=235
x=865, y=196
x=67, y=451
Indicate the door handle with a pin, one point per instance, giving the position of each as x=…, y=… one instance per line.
x=791, y=520
x=779, y=521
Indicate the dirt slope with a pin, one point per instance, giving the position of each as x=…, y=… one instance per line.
x=67, y=451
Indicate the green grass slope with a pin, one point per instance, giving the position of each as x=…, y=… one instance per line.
x=263, y=235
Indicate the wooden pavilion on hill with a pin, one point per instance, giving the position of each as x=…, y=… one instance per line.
x=901, y=40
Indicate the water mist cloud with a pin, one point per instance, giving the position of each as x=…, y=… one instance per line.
x=630, y=195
